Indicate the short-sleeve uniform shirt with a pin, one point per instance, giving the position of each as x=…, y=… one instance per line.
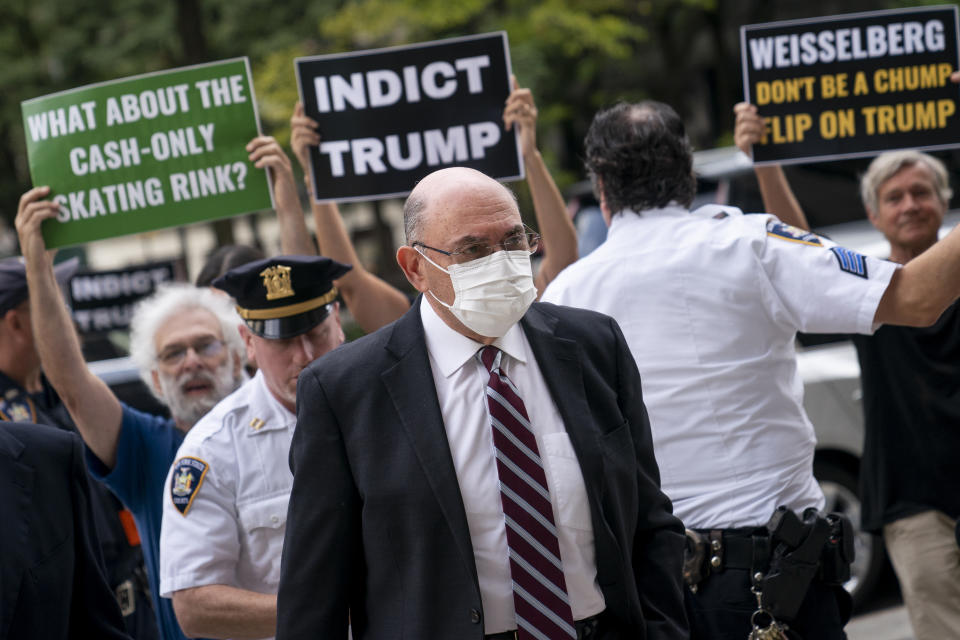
x=225, y=499
x=710, y=307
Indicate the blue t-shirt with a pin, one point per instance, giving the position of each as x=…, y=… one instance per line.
x=147, y=447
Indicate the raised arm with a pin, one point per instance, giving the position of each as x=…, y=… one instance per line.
x=922, y=290
x=266, y=153
x=91, y=403
x=778, y=197
x=371, y=300
x=556, y=228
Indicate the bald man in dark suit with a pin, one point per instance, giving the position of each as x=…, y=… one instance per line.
x=404, y=517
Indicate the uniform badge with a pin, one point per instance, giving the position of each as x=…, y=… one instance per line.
x=17, y=407
x=277, y=281
x=777, y=229
x=188, y=475
x=850, y=261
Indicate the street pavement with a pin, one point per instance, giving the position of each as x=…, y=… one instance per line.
x=884, y=624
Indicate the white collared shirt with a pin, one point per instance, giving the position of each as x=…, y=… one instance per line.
x=461, y=382
x=233, y=531
x=710, y=309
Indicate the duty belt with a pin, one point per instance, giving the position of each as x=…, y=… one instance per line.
x=783, y=557
x=715, y=550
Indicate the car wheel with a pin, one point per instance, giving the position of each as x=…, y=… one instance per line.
x=840, y=487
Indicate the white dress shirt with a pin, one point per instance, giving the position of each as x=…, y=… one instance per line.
x=461, y=382
x=233, y=531
x=710, y=309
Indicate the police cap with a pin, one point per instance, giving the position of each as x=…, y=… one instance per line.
x=284, y=296
x=13, y=280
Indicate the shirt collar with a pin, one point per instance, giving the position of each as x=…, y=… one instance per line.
x=628, y=217
x=270, y=414
x=451, y=349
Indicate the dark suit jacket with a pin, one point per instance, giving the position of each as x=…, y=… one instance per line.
x=376, y=524
x=52, y=582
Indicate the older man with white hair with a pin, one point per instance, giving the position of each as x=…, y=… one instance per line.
x=176, y=374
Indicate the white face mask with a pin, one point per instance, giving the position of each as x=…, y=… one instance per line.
x=491, y=294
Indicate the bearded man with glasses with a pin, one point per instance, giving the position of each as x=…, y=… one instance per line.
x=185, y=343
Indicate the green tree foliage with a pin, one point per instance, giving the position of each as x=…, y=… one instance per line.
x=576, y=55
x=48, y=46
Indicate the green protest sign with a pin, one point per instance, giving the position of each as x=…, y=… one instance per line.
x=157, y=150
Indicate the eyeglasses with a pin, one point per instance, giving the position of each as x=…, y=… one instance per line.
x=205, y=348
x=529, y=241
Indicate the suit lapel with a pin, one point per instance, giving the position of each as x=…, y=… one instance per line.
x=16, y=490
x=410, y=385
x=559, y=362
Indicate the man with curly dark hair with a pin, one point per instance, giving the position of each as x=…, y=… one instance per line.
x=648, y=170
x=710, y=302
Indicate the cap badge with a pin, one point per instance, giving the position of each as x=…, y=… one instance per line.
x=277, y=281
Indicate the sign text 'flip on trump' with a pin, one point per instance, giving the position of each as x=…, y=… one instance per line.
x=853, y=85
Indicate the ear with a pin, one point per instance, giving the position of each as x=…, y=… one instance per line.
x=18, y=323
x=413, y=265
x=155, y=376
x=13, y=320
x=872, y=217
x=247, y=336
x=604, y=209
x=237, y=365
x=335, y=312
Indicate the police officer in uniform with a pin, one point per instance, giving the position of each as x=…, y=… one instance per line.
x=710, y=303
x=25, y=396
x=223, y=520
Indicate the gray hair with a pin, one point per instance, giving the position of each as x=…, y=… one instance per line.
x=413, y=210
x=169, y=300
x=887, y=165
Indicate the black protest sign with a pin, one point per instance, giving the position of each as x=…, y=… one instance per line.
x=853, y=85
x=104, y=300
x=388, y=117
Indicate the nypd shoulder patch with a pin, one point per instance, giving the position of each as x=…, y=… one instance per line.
x=187, y=477
x=778, y=229
x=850, y=261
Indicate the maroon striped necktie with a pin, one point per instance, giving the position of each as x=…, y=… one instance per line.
x=539, y=588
